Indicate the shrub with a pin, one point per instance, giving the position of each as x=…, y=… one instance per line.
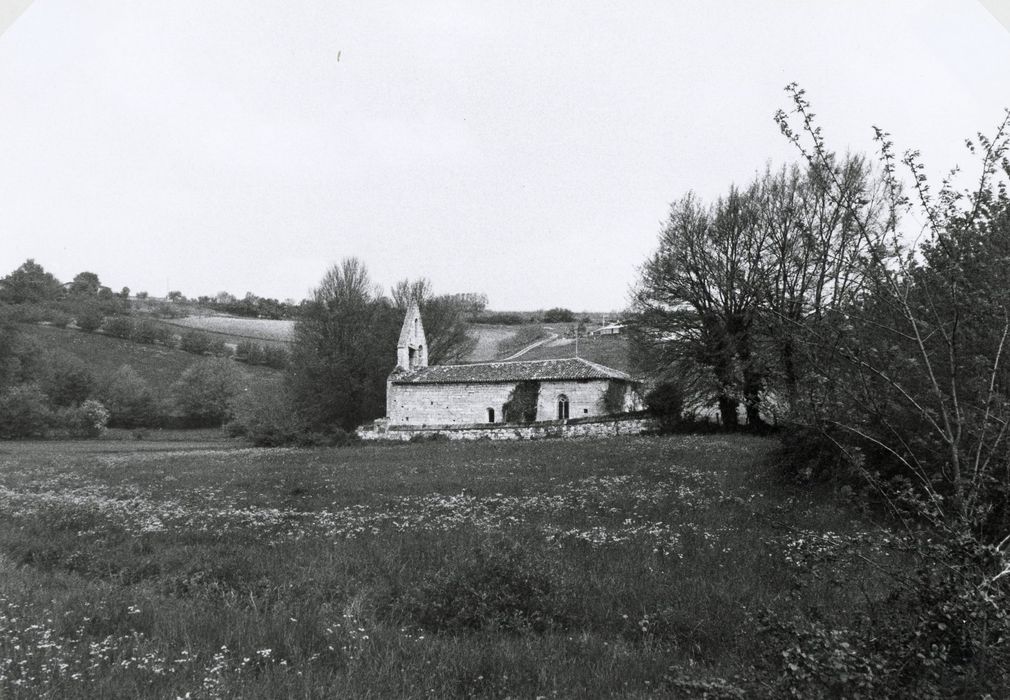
x=65, y=378
x=129, y=399
x=496, y=586
x=613, y=398
x=87, y=420
x=558, y=315
x=203, y=394
x=665, y=401
x=265, y=415
x=196, y=342
x=250, y=352
x=521, y=406
x=23, y=412
x=89, y=318
x=118, y=326
x=148, y=332
x=275, y=357
x=59, y=319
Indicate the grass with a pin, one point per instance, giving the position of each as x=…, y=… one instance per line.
x=103, y=354
x=234, y=329
x=520, y=337
x=569, y=569
x=608, y=350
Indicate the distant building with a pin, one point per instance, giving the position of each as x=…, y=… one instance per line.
x=417, y=394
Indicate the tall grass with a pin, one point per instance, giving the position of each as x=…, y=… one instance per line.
x=570, y=569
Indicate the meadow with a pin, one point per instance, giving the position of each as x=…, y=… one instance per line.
x=235, y=329
x=631, y=567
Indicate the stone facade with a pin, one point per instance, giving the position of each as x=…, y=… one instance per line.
x=466, y=403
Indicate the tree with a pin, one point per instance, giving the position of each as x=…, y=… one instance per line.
x=204, y=392
x=30, y=283
x=85, y=284
x=720, y=300
x=343, y=350
x=128, y=398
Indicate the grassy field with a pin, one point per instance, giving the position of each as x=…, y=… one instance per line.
x=609, y=350
x=233, y=329
x=625, y=567
x=103, y=354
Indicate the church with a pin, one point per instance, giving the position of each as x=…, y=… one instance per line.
x=481, y=393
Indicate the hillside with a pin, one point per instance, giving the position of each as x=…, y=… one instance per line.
x=160, y=366
x=234, y=330
x=609, y=350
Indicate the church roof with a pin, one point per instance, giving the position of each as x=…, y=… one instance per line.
x=574, y=368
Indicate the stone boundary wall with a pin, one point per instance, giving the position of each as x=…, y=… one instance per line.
x=598, y=427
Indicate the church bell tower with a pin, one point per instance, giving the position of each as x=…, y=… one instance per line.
x=412, y=349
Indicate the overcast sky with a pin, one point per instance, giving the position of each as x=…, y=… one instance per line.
x=526, y=150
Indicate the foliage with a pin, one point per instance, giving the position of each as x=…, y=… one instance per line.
x=665, y=401
x=521, y=406
x=88, y=420
x=558, y=315
x=65, y=378
x=129, y=399
x=30, y=283
x=497, y=587
x=196, y=342
x=119, y=327
x=204, y=393
x=149, y=332
x=265, y=415
x=24, y=412
x=719, y=299
x=89, y=317
x=343, y=351
x=614, y=397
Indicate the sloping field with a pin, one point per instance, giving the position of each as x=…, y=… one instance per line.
x=103, y=354
x=237, y=329
x=596, y=568
x=488, y=338
x=609, y=350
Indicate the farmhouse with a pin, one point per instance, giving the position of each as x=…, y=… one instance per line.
x=496, y=392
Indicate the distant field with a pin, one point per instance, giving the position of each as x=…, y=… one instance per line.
x=238, y=329
x=609, y=350
x=488, y=338
x=160, y=366
x=575, y=569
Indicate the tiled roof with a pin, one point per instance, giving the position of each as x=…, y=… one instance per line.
x=490, y=372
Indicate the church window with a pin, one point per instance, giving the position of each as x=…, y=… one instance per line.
x=562, y=407
x=490, y=415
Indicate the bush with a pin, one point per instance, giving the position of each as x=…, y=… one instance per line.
x=129, y=399
x=59, y=319
x=250, y=352
x=203, y=394
x=275, y=357
x=149, y=332
x=665, y=401
x=558, y=316
x=196, y=342
x=23, y=412
x=613, y=398
x=65, y=378
x=521, y=406
x=88, y=420
x=265, y=415
x=496, y=586
x=89, y=318
x=118, y=326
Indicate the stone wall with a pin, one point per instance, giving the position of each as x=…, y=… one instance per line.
x=466, y=404
x=596, y=427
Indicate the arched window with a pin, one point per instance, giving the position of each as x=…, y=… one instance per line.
x=490, y=415
x=562, y=407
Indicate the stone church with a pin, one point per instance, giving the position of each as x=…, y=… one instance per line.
x=418, y=394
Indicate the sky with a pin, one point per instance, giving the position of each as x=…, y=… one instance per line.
x=525, y=150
